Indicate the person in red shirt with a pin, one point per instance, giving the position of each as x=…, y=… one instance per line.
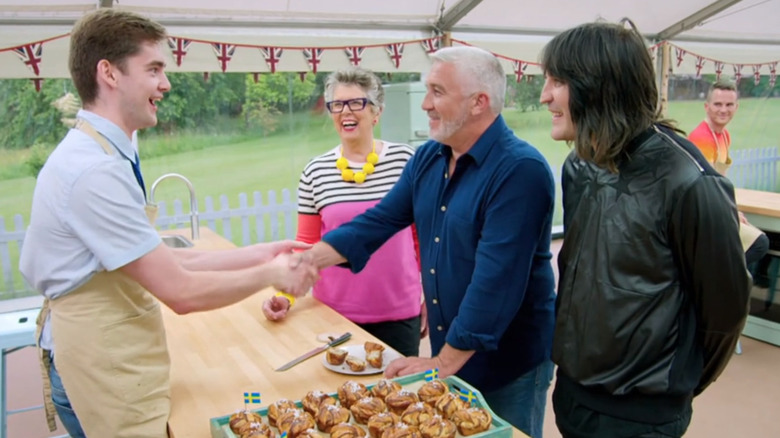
x=713, y=140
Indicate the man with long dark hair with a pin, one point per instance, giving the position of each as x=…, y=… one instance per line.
x=653, y=288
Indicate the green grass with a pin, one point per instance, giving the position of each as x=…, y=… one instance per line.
x=233, y=163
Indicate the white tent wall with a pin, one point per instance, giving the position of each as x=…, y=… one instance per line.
x=739, y=32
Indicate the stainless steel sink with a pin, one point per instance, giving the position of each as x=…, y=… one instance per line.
x=176, y=241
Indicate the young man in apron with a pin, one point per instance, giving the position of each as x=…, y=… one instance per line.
x=92, y=252
x=714, y=141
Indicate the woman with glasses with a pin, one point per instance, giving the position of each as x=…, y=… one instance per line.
x=385, y=297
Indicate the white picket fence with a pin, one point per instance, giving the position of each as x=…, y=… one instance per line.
x=256, y=221
x=273, y=218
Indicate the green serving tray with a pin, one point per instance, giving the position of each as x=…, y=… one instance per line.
x=499, y=429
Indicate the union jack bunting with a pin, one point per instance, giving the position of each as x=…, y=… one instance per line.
x=37, y=82
x=224, y=53
x=272, y=56
x=718, y=70
x=699, y=65
x=772, y=75
x=737, y=73
x=680, y=54
x=312, y=56
x=354, y=54
x=431, y=45
x=396, y=52
x=431, y=374
x=519, y=68
x=179, y=47
x=31, y=55
x=756, y=74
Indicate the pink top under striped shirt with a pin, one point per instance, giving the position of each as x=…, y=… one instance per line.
x=389, y=287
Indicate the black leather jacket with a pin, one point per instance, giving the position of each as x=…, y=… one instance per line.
x=653, y=288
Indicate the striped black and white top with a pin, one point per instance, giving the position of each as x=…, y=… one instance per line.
x=321, y=184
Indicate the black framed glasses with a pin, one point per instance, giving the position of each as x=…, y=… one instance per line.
x=337, y=106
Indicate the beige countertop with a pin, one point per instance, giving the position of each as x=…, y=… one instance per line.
x=758, y=202
x=218, y=355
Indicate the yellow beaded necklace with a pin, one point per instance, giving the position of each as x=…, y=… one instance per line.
x=358, y=177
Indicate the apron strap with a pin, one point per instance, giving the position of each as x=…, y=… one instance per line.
x=87, y=128
x=44, y=360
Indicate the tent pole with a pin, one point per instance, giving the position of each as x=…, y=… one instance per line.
x=663, y=72
x=446, y=39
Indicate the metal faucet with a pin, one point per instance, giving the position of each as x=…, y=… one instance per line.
x=194, y=222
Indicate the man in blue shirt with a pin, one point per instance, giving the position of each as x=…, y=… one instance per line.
x=482, y=202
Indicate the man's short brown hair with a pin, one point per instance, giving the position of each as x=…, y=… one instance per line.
x=110, y=34
x=725, y=86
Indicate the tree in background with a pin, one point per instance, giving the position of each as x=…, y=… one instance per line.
x=27, y=116
x=524, y=95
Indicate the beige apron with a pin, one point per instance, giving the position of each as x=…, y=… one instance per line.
x=111, y=351
x=722, y=160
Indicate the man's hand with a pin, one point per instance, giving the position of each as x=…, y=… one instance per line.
x=267, y=251
x=742, y=218
x=295, y=273
x=276, y=308
x=410, y=365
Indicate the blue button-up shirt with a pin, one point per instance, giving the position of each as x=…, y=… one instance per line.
x=484, y=236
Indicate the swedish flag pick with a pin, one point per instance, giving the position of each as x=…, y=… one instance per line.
x=467, y=395
x=251, y=398
x=431, y=374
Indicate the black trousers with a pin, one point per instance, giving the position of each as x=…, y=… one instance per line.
x=577, y=421
x=403, y=336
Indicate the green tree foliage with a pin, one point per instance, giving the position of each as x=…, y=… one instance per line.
x=280, y=91
x=27, y=116
x=524, y=95
x=194, y=102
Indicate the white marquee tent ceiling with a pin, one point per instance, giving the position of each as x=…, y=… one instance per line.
x=730, y=31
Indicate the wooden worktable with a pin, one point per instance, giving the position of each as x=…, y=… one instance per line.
x=218, y=355
x=758, y=202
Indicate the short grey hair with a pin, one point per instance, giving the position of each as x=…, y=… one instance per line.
x=479, y=70
x=363, y=78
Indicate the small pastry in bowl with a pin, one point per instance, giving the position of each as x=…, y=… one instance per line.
x=294, y=422
x=374, y=353
x=355, y=363
x=432, y=390
x=381, y=421
x=336, y=356
x=346, y=430
x=314, y=399
x=398, y=401
x=472, y=420
x=448, y=403
x=384, y=387
x=242, y=421
x=367, y=407
x=350, y=392
x=374, y=358
x=417, y=413
x=277, y=408
x=331, y=415
x=438, y=427
x=401, y=430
